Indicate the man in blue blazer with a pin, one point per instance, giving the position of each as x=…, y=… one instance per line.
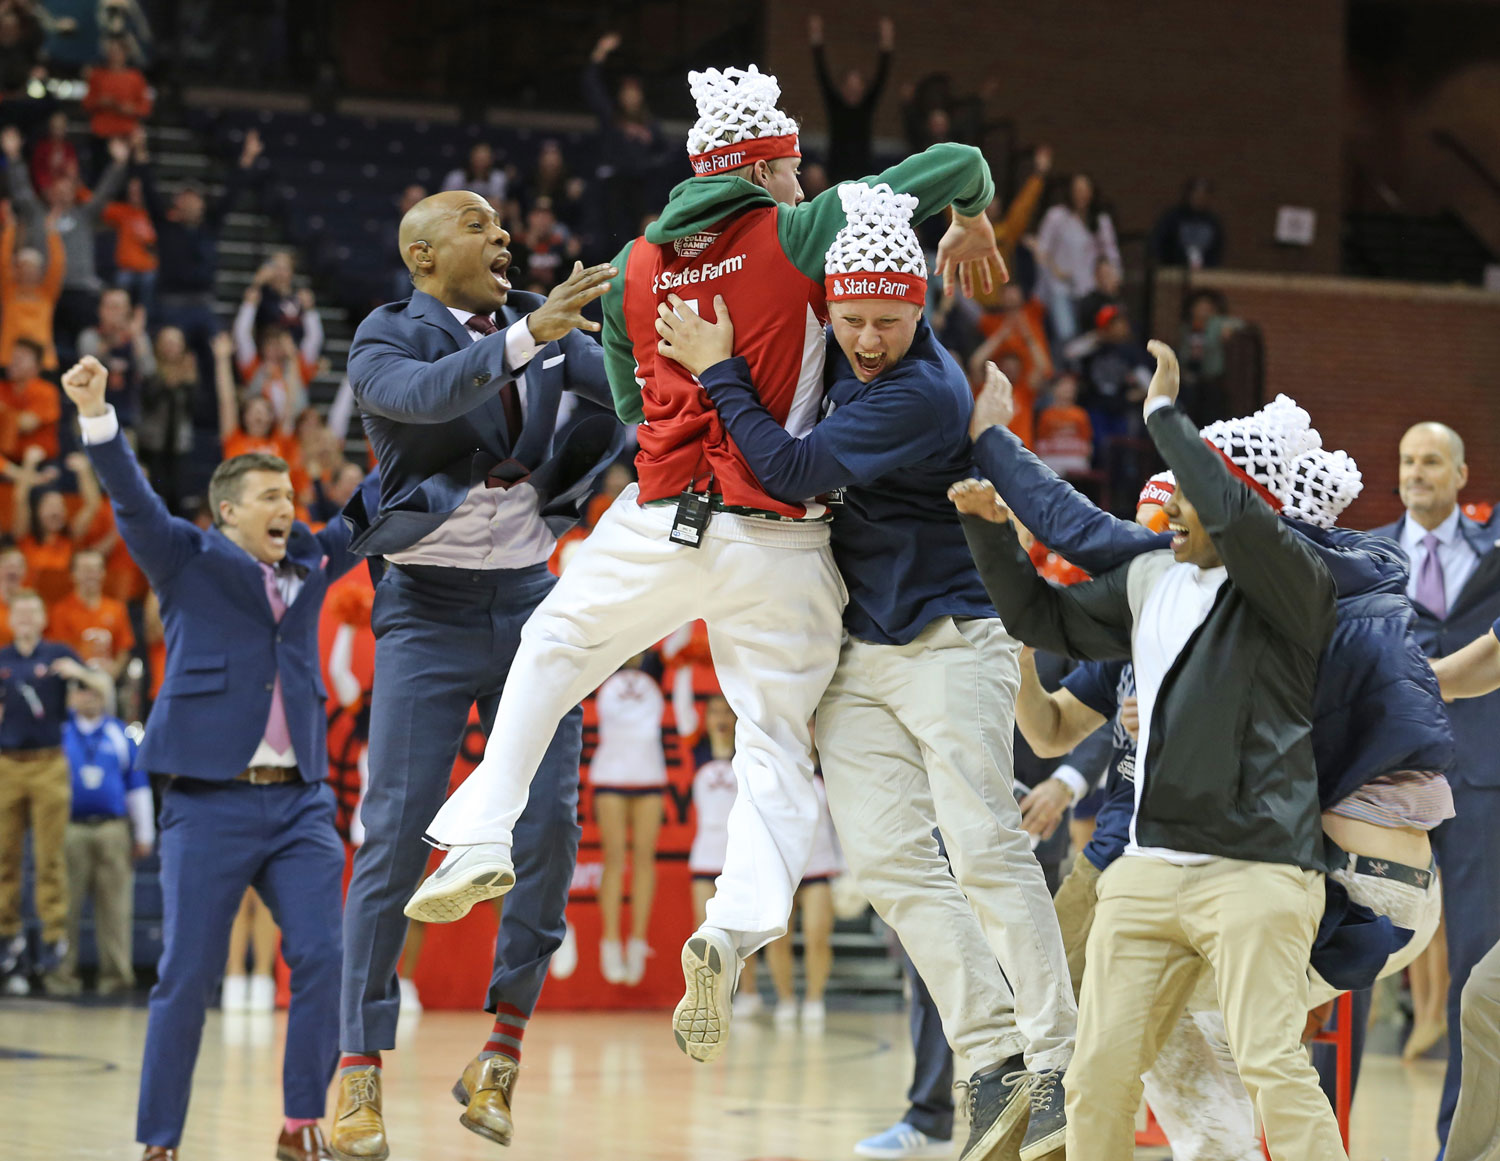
x=459, y=387
x=241, y=730
x=1455, y=588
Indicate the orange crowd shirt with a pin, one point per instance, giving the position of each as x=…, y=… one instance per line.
x=41, y=399
x=135, y=237
x=95, y=634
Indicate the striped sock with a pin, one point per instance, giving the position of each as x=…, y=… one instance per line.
x=505, y=1038
x=349, y=1061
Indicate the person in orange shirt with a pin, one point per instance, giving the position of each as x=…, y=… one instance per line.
x=1023, y=422
x=1017, y=328
x=117, y=98
x=30, y=407
x=12, y=581
x=249, y=426
x=49, y=540
x=1064, y=435
x=1011, y=226
x=270, y=361
x=96, y=626
x=29, y=288
x=135, y=236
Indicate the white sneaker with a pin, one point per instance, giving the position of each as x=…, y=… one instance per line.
x=611, y=961
x=784, y=1016
x=900, y=1142
x=747, y=1005
x=710, y=969
x=411, y=1002
x=636, y=952
x=565, y=958
x=814, y=1015
x=262, y=994
x=234, y=996
x=466, y=876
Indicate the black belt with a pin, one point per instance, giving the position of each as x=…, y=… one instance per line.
x=1396, y=872
x=98, y=819
x=269, y=775
x=716, y=504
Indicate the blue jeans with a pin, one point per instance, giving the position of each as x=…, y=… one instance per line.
x=444, y=641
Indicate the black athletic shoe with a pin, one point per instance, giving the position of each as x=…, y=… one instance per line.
x=1047, y=1129
x=997, y=1102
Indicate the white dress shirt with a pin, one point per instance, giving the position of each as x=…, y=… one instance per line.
x=493, y=527
x=1455, y=554
x=1175, y=607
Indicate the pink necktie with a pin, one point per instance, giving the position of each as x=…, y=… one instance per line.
x=277, y=733
x=1431, y=588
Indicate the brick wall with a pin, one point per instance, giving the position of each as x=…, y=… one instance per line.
x=1368, y=359
x=1141, y=96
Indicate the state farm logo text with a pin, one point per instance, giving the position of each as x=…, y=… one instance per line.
x=674, y=279
x=719, y=163
x=873, y=287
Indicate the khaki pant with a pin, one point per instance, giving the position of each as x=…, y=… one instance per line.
x=1157, y=927
x=919, y=735
x=101, y=866
x=35, y=795
x=1475, y=1135
x=1076, y=900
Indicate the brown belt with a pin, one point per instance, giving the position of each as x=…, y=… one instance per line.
x=41, y=755
x=269, y=775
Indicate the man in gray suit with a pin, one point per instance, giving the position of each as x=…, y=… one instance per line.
x=459, y=387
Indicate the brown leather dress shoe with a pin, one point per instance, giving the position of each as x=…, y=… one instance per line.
x=485, y=1090
x=358, y=1132
x=306, y=1144
x=160, y=1153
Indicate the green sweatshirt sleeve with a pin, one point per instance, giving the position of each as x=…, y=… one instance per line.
x=619, y=353
x=941, y=175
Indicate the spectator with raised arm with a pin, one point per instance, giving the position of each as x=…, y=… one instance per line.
x=632, y=145
x=48, y=538
x=188, y=246
x=76, y=220
x=121, y=343
x=850, y=103
x=164, y=434
x=271, y=362
x=249, y=425
x=136, y=261
x=29, y=285
x=53, y=156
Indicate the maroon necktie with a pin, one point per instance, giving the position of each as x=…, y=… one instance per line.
x=510, y=398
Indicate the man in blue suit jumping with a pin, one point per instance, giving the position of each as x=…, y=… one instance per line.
x=241, y=730
x=459, y=387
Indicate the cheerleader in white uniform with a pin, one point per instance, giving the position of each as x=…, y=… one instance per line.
x=628, y=774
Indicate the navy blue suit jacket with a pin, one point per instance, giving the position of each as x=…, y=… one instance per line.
x=430, y=398
x=1470, y=614
x=224, y=645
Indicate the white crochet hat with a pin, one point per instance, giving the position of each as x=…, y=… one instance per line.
x=1323, y=484
x=738, y=121
x=1261, y=448
x=876, y=254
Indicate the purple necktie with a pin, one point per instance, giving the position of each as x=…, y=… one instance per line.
x=510, y=398
x=1431, y=591
x=277, y=732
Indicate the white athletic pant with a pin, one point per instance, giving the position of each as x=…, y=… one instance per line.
x=773, y=602
x=919, y=736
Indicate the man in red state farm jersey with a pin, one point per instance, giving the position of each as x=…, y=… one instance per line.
x=699, y=537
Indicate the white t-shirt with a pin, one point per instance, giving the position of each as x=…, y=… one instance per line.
x=1178, y=603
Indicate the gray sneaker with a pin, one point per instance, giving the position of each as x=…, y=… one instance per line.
x=997, y=1103
x=466, y=876
x=1047, y=1129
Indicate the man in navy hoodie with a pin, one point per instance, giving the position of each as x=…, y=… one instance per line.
x=915, y=695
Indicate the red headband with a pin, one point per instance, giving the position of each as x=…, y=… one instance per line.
x=727, y=157
x=1155, y=492
x=1239, y=473
x=875, y=284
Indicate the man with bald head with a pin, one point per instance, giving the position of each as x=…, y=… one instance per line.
x=1455, y=587
x=459, y=388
